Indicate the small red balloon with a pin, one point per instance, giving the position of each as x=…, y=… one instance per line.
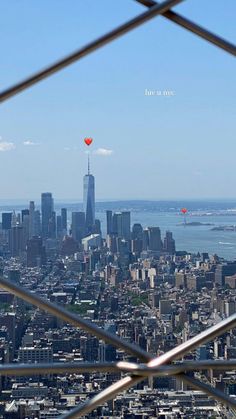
x=88, y=141
x=184, y=210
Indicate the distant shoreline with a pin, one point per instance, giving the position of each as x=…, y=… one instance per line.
x=195, y=224
x=224, y=228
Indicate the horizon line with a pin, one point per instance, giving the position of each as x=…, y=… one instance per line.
x=101, y=200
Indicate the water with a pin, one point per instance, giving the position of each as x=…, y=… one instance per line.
x=191, y=238
x=167, y=215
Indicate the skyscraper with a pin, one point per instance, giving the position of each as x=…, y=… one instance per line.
x=137, y=239
x=145, y=239
x=97, y=227
x=24, y=213
x=25, y=225
x=59, y=227
x=137, y=231
x=47, y=213
x=223, y=270
x=64, y=220
x=121, y=224
x=108, y=352
x=35, y=252
x=117, y=224
x=78, y=225
x=154, y=235
x=52, y=226
x=109, y=222
x=31, y=219
x=6, y=220
x=169, y=243
x=89, y=200
x=37, y=223
x=125, y=222
x=16, y=241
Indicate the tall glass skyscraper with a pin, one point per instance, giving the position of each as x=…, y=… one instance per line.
x=64, y=220
x=89, y=200
x=47, y=213
x=78, y=225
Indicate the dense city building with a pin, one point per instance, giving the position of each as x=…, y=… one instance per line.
x=47, y=208
x=132, y=282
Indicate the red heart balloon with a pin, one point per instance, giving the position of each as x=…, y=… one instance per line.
x=88, y=141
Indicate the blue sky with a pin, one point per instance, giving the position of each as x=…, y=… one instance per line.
x=160, y=147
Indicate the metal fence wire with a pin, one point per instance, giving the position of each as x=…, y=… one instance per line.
x=155, y=9
x=150, y=365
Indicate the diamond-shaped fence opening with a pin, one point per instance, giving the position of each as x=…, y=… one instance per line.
x=155, y=9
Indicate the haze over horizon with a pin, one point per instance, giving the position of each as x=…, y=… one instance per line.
x=37, y=200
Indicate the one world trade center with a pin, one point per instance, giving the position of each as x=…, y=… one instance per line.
x=89, y=200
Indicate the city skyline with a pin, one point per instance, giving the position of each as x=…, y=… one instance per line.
x=79, y=219
x=110, y=274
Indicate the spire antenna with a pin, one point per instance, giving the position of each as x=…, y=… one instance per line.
x=88, y=165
